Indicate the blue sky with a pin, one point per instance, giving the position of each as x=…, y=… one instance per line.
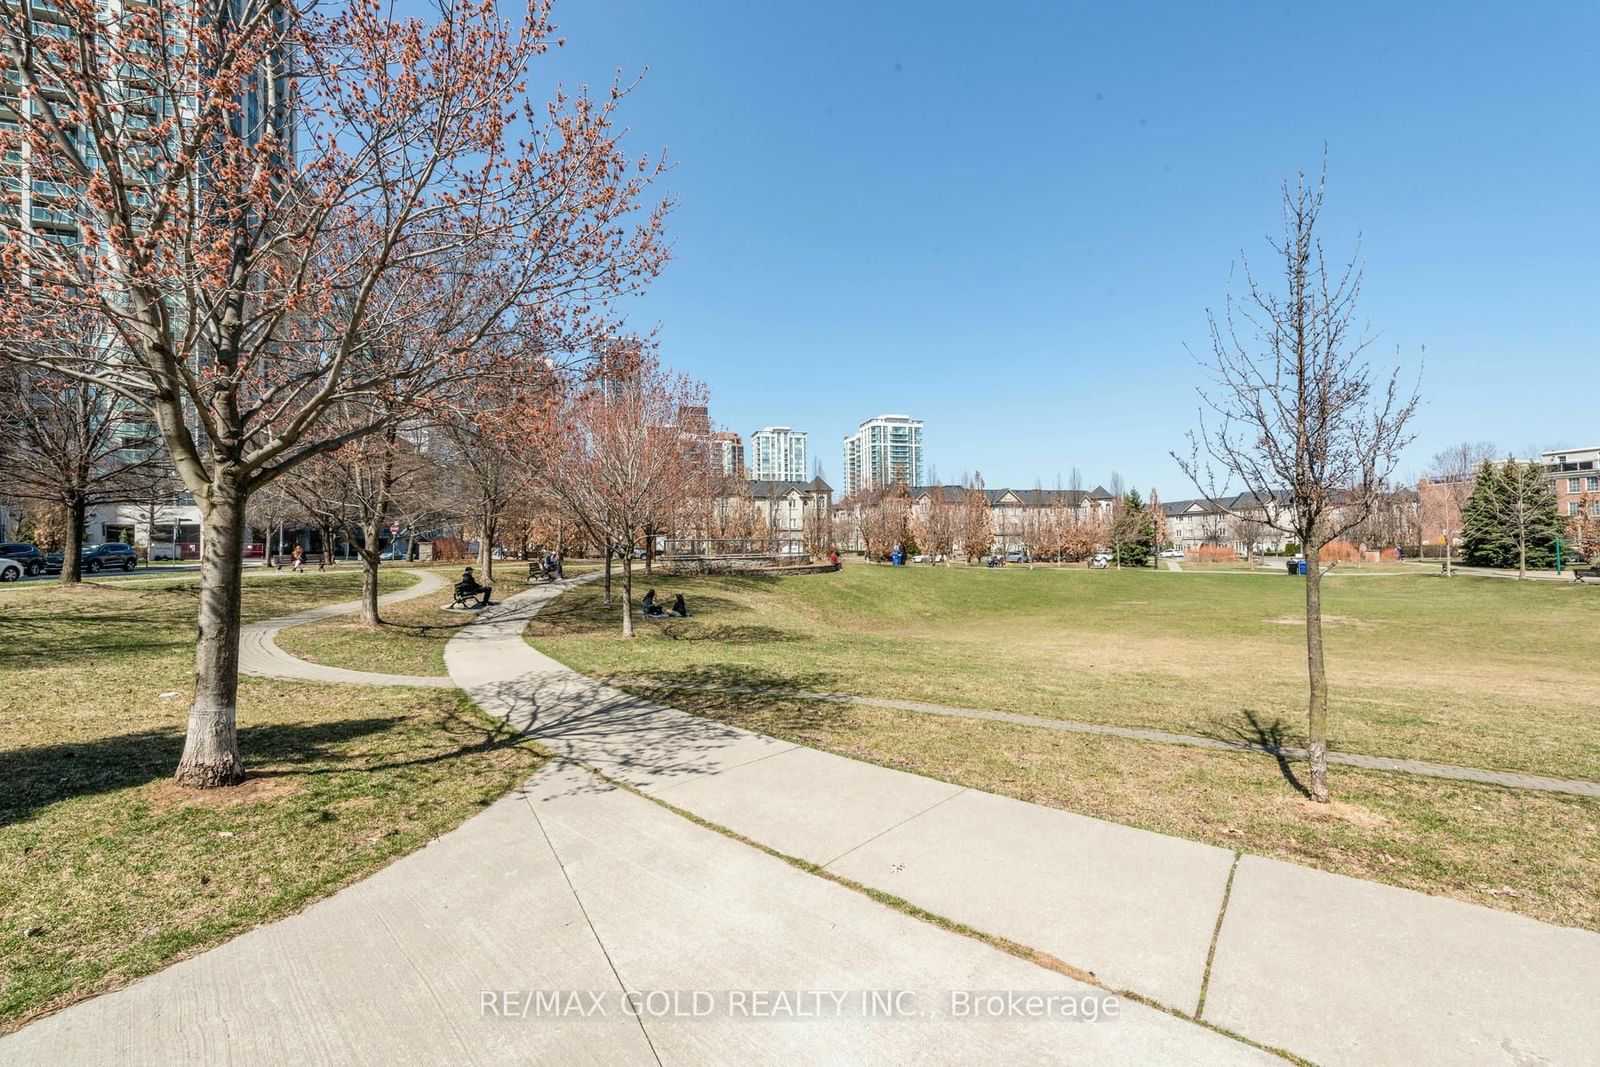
x=1009, y=220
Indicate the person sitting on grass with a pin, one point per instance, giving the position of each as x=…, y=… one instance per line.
x=468, y=586
x=650, y=605
x=679, y=608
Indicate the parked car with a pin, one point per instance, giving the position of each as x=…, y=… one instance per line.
x=1172, y=553
x=54, y=562
x=28, y=557
x=10, y=570
x=110, y=554
x=1016, y=557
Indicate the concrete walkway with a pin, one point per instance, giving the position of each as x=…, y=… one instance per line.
x=260, y=655
x=517, y=939
x=1331, y=968
x=1508, y=779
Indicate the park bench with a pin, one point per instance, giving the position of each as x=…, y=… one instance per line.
x=537, y=573
x=473, y=598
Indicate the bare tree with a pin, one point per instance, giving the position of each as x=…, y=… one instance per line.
x=1250, y=529
x=70, y=445
x=1295, y=406
x=976, y=520
x=1443, y=493
x=1117, y=526
x=1520, y=497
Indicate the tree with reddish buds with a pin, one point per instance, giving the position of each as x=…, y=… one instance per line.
x=619, y=454
x=276, y=212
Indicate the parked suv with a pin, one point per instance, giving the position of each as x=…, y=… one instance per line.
x=28, y=556
x=110, y=554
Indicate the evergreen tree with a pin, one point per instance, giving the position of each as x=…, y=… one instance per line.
x=1484, y=539
x=1510, y=519
x=1135, y=543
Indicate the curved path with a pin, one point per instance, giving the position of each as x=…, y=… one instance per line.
x=260, y=655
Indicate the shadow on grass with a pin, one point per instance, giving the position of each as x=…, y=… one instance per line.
x=46, y=774
x=47, y=639
x=39, y=776
x=1269, y=737
x=770, y=700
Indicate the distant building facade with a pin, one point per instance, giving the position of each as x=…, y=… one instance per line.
x=778, y=454
x=1575, y=477
x=884, y=451
x=727, y=453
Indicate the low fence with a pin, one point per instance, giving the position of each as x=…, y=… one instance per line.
x=708, y=547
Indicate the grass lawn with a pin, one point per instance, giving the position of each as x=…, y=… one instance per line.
x=107, y=872
x=1480, y=672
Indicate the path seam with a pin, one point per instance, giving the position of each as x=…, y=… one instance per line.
x=1216, y=935
x=896, y=826
x=578, y=900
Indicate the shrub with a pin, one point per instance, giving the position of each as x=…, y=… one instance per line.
x=1216, y=554
x=1339, y=552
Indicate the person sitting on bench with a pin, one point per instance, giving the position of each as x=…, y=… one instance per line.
x=650, y=605
x=468, y=587
x=679, y=608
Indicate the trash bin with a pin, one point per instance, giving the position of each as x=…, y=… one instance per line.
x=1291, y=566
x=1302, y=569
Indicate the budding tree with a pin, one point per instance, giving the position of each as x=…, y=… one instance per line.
x=1294, y=406
x=261, y=245
x=619, y=453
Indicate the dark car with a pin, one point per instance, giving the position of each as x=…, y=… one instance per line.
x=110, y=554
x=32, y=560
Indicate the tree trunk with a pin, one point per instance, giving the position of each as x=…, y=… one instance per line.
x=1317, y=709
x=1522, y=554
x=72, y=551
x=211, y=749
x=369, y=575
x=486, y=535
x=608, y=576
x=649, y=549
x=627, y=595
